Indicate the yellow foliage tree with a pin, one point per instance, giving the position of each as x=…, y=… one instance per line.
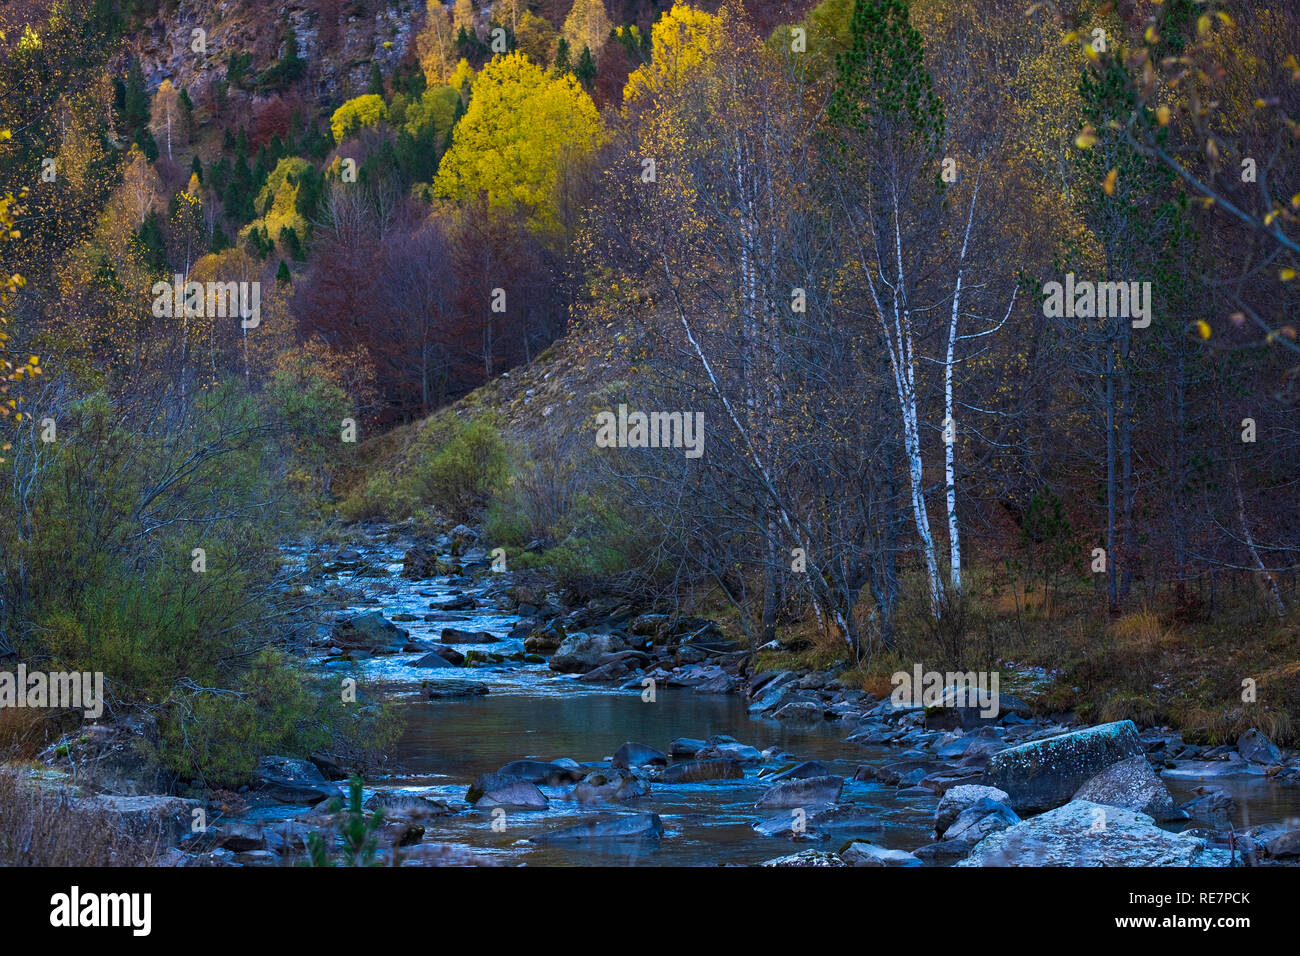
x=356, y=113
x=519, y=139
x=586, y=25
x=681, y=41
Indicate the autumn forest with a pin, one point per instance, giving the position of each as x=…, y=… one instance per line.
x=743, y=362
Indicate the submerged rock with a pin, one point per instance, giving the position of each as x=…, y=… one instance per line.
x=451, y=635
x=698, y=771
x=443, y=689
x=636, y=828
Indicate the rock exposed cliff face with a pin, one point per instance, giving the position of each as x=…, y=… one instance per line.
x=337, y=44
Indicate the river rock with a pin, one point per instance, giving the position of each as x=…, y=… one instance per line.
x=462, y=537
x=510, y=792
x=799, y=771
x=698, y=771
x=981, y=818
x=419, y=563
x=1081, y=833
x=807, y=858
x=445, y=689
x=607, y=673
x=1043, y=774
x=802, y=793
x=240, y=837
x=550, y=773
x=958, y=799
x=632, y=754
x=802, y=710
x=581, y=652
x=292, y=781
x=1257, y=748
x=451, y=635
x=634, y=828
x=369, y=631
x=406, y=806
x=731, y=750
x=433, y=659
x=1212, y=805
x=1284, y=845
x=548, y=637
x=686, y=746
x=860, y=853
x=610, y=786
x=1132, y=784
x=853, y=817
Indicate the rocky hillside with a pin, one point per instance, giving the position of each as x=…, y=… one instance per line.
x=338, y=44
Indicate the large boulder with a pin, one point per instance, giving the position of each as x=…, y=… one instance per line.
x=635, y=828
x=1081, y=833
x=579, y=653
x=1132, y=784
x=1044, y=774
x=290, y=780
x=802, y=792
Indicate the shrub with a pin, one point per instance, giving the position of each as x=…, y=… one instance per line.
x=469, y=465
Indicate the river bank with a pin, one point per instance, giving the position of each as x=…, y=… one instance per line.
x=542, y=732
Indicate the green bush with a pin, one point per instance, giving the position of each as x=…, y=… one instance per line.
x=459, y=467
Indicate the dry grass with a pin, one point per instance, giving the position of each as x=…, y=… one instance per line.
x=44, y=829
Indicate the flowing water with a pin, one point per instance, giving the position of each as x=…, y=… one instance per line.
x=531, y=712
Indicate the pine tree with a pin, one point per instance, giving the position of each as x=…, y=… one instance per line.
x=585, y=71
x=883, y=89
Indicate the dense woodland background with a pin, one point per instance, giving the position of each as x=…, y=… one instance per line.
x=827, y=227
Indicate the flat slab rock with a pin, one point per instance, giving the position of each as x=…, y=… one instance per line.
x=1083, y=833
